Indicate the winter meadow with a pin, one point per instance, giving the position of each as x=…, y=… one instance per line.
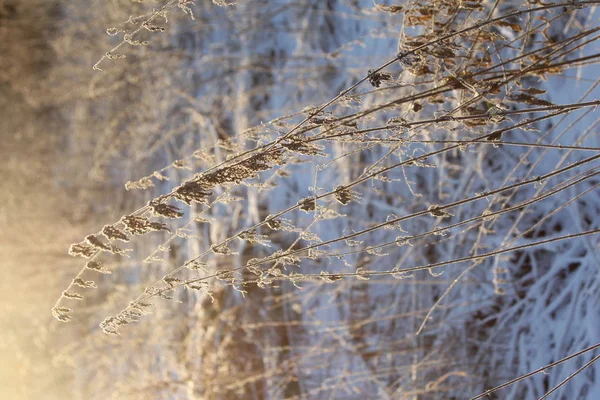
x=316, y=199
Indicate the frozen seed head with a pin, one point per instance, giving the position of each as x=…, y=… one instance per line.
x=83, y=250
x=273, y=223
x=252, y=236
x=299, y=144
x=307, y=204
x=62, y=313
x=234, y=174
x=264, y=161
x=96, y=266
x=246, y=169
x=112, y=233
x=72, y=295
x=197, y=265
x=84, y=284
x=140, y=225
x=110, y=326
x=132, y=313
x=376, y=78
x=436, y=211
x=193, y=192
x=93, y=241
x=222, y=249
x=160, y=209
x=343, y=195
x=142, y=184
x=172, y=282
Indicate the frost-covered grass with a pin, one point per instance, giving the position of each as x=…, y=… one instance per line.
x=426, y=230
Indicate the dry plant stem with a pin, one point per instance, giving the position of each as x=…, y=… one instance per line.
x=490, y=215
x=567, y=379
x=460, y=202
x=535, y=372
x=425, y=267
x=390, y=164
x=369, y=176
x=399, y=57
x=144, y=296
x=511, y=174
x=447, y=118
x=520, y=73
x=402, y=55
x=152, y=17
x=424, y=156
x=270, y=146
x=265, y=147
x=450, y=117
x=470, y=268
x=506, y=238
x=432, y=153
x=402, y=271
x=524, y=204
x=525, y=55
x=533, y=166
x=487, y=142
x=457, y=260
x=482, y=95
x=143, y=209
x=447, y=87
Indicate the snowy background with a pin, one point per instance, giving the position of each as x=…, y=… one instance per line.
x=239, y=76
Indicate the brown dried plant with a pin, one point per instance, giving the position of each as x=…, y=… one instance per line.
x=454, y=100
